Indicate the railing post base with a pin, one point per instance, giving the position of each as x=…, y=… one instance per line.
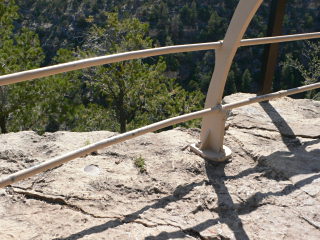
x=213, y=126
x=210, y=155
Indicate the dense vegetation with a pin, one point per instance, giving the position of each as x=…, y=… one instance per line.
x=126, y=95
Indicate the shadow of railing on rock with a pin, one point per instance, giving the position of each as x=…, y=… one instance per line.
x=297, y=160
x=178, y=194
x=226, y=208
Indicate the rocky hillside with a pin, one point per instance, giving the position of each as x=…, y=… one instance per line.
x=153, y=187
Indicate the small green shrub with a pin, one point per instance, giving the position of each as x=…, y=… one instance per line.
x=140, y=164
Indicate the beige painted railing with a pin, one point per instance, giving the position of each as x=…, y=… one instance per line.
x=214, y=115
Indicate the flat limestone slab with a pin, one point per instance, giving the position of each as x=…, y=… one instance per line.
x=269, y=189
x=282, y=134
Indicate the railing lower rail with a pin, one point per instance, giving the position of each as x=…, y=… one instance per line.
x=23, y=174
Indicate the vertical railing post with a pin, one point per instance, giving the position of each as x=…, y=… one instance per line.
x=212, y=130
x=271, y=51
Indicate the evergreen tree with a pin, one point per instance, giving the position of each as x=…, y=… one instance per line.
x=216, y=27
x=186, y=15
x=19, y=50
x=136, y=93
x=194, y=12
x=246, y=81
x=230, y=84
x=176, y=28
x=288, y=77
x=308, y=66
x=58, y=99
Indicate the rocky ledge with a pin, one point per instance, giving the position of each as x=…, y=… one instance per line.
x=153, y=187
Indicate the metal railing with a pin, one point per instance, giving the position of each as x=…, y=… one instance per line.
x=96, y=61
x=214, y=114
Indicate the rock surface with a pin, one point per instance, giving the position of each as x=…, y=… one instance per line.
x=270, y=189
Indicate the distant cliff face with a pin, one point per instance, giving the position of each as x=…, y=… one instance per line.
x=153, y=187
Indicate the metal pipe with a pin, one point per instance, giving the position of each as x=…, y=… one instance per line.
x=118, y=57
x=96, y=61
x=20, y=175
x=270, y=96
x=279, y=39
x=23, y=174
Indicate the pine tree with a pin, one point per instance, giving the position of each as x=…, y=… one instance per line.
x=308, y=65
x=19, y=50
x=215, y=28
x=246, y=81
x=136, y=93
x=230, y=84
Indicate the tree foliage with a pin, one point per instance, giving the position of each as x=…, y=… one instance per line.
x=246, y=81
x=308, y=65
x=65, y=24
x=19, y=50
x=129, y=94
x=136, y=92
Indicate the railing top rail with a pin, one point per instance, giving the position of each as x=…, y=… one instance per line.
x=118, y=57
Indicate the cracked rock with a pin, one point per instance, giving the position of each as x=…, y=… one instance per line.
x=268, y=190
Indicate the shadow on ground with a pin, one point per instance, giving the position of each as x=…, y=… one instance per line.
x=227, y=210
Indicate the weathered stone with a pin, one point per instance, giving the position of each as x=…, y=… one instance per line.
x=268, y=190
